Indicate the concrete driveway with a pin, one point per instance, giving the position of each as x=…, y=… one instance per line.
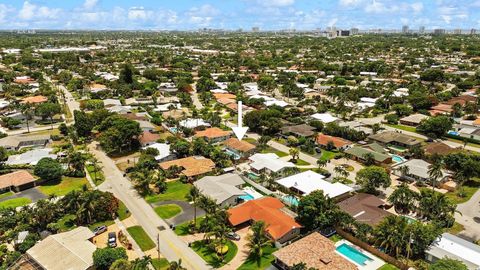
x=469, y=217
x=33, y=194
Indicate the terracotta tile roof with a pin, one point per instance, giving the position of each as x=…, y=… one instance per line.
x=192, y=166
x=462, y=100
x=211, y=133
x=323, y=139
x=476, y=122
x=24, y=80
x=17, y=178
x=226, y=101
x=225, y=96
x=148, y=137
x=316, y=251
x=241, y=146
x=267, y=209
x=442, y=107
x=34, y=99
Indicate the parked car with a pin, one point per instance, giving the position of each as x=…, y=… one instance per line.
x=232, y=236
x=100, y=229
x=112, y=239
x=318, y=150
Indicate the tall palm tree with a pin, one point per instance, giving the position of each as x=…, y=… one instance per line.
x=258, y=240
x=322, y=163
x=435, y=172
x=193, y=195
x=393, y=235
x=403, y=198
x=404, y=170
x=27, y=111
x=174, y=265
x=294, y=152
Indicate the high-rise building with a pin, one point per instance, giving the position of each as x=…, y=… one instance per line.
x=439, y=31
x=255, y=29
x=354, y=31
x=421, y=30
x=405, y=29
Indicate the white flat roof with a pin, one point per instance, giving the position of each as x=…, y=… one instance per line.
x=459, y=247
x=193, y=123
x=324, y=117
x=270, y=161
x=163, y=150
x=310, y=181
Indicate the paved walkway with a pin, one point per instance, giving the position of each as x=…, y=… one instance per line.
x=187, y=214
x=33, y=194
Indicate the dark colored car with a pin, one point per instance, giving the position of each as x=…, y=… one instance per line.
x=112, y=239
x=232, y=236
x=100, y=229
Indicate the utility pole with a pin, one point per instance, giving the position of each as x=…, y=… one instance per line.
x=158, y=245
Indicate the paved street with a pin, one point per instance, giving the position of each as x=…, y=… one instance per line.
x=469, y=216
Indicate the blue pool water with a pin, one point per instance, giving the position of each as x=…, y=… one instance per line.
x=397, y=159
x=233, y=154
x=247, y=197
x=253, y=176
x=353, y=254
x=291, y=200
x=454, y=133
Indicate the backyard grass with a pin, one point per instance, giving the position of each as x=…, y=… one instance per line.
x=141, y=237
x=335, y=238
x=272, y=150
x=456, y=228
x=168, y=210
x=65, y=186
x=14, y=203
x=6, y=194
x=250, y=140
x=176, y=190
x=160, y=264
x=100, y=223
x=265, y=261
x=388, y=267
x=327, y=155
x=202, y=249
x=123, y=211
x=97, y=177
x=469, y=188
x=66, y=223
x=301, y=162
x=182, y=229
x=402, y=127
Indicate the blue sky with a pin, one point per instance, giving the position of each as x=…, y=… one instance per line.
x=234, y=14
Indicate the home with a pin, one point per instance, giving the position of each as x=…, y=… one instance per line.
x=238, y=149
x=417, y=171
x=439, y=148
x=413, y=120
x=453, y=247
x=34, y=100
x=17, y=181
x=68, y=250
x=280, y=226
x=30, y=157
x=315, y=251
x=302, y=130
x=324, y=117
x=395, y=138
x=109, y=102
x=365, y=208
x=379, y=155
x=96, y=87
x=120, y=109
x=213, y=135
x=163, y=149
x=18, y=142
x=193, y=123
x=327, y=141
x=441, y=108
x=224, y=189
x=146, y=125
x=167, y=87
x=308, y=181
x=355, y=125
x=148, y=138
x=191, y=166
x=24, y=80
x=268, y=163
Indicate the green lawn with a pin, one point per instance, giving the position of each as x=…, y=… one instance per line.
x=402, y=127
x=469, y=188
x=327, y=155
x=388, y=267
x=97, y=177
x=250, y=140
x=65, y=186
x=168, y=210
x=275, y=151
x=6, y=194
x=456, y=228
x=160, y=264
x=16, y=202
x=141, y=237
x=335, y=238
x=176, y=190
x=100, y=223
x=182, y=229
x=122, y=211
x=202, y=249
x=301, y=162
x=66, y=223
x=265, y=261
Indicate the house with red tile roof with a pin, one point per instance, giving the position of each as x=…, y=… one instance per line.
x=213, y=135
x=34, y=100
x=18, y=180
x=148, y=138
x=281, y=227
x=191, y=166
x=240, y=148
x=338, y=143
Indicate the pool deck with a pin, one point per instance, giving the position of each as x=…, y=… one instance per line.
x=374, y=264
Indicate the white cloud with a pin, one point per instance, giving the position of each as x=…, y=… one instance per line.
x=28, y=11
x=31, y=11
x=350, y=2
x=90, y=4
x=4, y=12
x=417, y=7
x=139, y=13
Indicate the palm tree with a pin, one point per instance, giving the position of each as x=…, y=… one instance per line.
x=322, y=163
x=340, y=171
x=258, y=240
x=435, y=171
x=193, y=195
x=26, y=110
x=403, y=198
x=393, y=235
x=294, y=152
x=404, y=170
x=174, y=265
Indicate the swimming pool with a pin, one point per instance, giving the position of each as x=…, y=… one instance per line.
x=246, y=197
x=232, y=154
x=397, y=159
x=290, y=200
x=173, y=130
x=353, y=254
x=410, y=220
x=253, y=176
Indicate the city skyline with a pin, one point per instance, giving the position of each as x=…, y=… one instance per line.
x=241, y=14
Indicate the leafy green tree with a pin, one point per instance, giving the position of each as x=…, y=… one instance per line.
x=48, y=110
x=373, y=177
x=121, y=264
x=448, y=264
x=403, y=198
x=436, y=126
x=393, y=235
x=3, y=156
x=103, y=258
x=48, y=169
x=83, y=124
x=119, y=134
x=317, y=211
x=126, y=74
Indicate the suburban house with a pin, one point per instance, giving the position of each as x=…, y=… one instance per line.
x=365, y=208
x=164, y=153
x=120, y=109
x=315, y=251
x=324, y=117
x=359, y=153
x=281, y=227
x=418, y=171
x=148, y=138
x=213, y=135
x=71, y=250
x=394, y=138
x=30, y=157
x=223, y=189
x=358, y=126
x=302, y=130
x=146, y=125
x=336, y=142
x=439, y=148
x=192, y=166
x=18, y=142
x=193, y=123
x=308, y=181
x=239, y=149
x=268, y=163
x=96, y=87
x=17, y=181
x=413, y=120
x=34, y=100
x=453, y=247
